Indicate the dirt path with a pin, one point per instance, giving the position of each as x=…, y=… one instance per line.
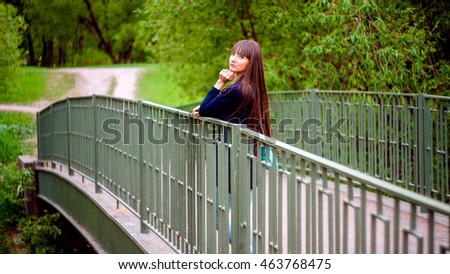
x=118, y=82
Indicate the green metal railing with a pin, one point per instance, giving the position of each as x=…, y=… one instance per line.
x=205, y=186
x=399, y=138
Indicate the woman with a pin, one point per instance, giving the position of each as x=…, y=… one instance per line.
x=245, y=100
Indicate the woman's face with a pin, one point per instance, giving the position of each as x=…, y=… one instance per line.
x=238, y=63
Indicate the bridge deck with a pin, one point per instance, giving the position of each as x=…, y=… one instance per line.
x=150, y=242
x=441, y=222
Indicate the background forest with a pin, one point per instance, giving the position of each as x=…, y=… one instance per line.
x=390, y=46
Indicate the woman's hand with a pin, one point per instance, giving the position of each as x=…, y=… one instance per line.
x=195, y=112
x=225, y=76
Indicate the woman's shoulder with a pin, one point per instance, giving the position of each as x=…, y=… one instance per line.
x=233, y=88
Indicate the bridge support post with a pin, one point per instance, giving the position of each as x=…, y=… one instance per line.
x=31, y=200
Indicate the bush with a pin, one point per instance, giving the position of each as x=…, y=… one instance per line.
x=4, y=246
x=13, y=183
x=11, y=145
x=39, y=234
x=88, y=57
x=14, y=129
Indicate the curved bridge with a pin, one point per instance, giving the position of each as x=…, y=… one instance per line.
x=108, y=227
x=140, y=177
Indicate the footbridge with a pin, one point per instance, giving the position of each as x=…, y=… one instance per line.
x=346, y=172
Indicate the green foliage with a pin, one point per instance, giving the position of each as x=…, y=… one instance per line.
x=367, y=46
x=10, y=54
x=4, y=242
x=10, y=147
x=377, y=45
x=49, y=18
x=18, y=119
x=344, y=45
x=195, y=37
x=53, y=27
x=437, y=14
x=14, y=129
x=40, y=233
x=74, y=33
x=13, y=184
x=88, y=57
x=11, y=144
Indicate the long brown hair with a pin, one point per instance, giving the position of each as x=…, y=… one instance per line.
x=253, y=87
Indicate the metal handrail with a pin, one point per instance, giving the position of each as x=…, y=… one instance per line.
x=418, y=170
x=206, y=186
x=355, y=175
x=400, y=138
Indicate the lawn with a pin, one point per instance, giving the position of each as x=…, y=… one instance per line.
x=34, y=84
x=157, y=84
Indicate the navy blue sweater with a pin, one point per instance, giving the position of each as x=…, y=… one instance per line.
x=222, y=105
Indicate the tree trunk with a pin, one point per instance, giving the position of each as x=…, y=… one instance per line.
x=105, y=46
x=32, y=61
x=47, y=53
x=243, y=13
x=125, y=55
x=61, y=56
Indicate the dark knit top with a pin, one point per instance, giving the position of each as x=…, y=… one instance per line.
x=223, y=105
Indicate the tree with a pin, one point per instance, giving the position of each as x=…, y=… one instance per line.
x=12, y=26
x=53, y=28
x=345, y=45
x=114, y=23
x=372, y=45
x=62, y=32
x=196, y=37
x=437, y=14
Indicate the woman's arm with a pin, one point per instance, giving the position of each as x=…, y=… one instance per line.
x=221, y=104
x=213, y=92
x=209, y=103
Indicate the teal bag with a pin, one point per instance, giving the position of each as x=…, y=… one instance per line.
x=263, y=156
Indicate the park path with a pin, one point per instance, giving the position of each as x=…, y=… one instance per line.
x=118, y=82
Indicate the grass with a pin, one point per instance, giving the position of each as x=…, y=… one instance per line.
x=15, y=118
x=157, y=84
x=30, y=86
x=34, y=84
x=58, y=84
x=17, y=135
